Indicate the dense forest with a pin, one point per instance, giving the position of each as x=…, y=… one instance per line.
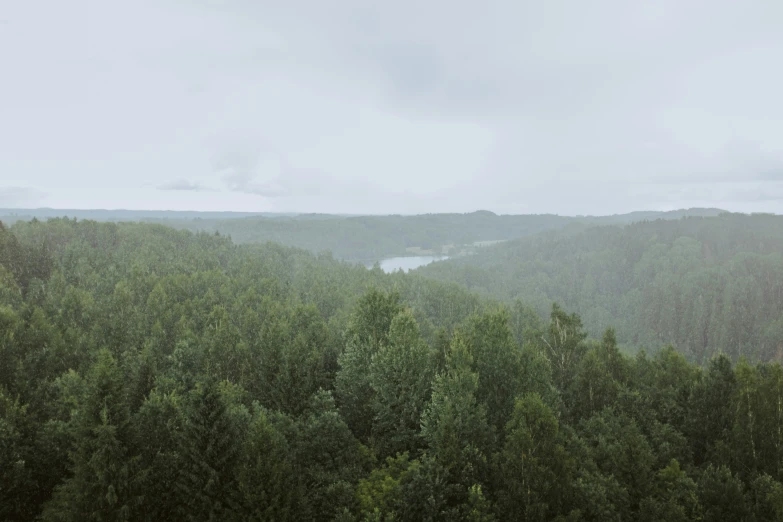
x=363, y=239
x=148, y=373
x=12, y=215
x=706, y=285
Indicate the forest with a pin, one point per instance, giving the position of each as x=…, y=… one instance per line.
x=706, y=285
x=148, y=373
x=363, y=239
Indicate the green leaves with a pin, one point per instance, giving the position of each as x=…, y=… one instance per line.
x=563, y=345
x=454, y=424
x=266, y=473
x=209, y=450
x=369, y=330
x=400, y=377
x=104, y=481
x=159, y=375
x=535, y=471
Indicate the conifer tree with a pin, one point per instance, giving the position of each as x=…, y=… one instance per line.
x=400, y=376
x=104, y=482
x=369, y=330
x=209, y=448
x=455, y=425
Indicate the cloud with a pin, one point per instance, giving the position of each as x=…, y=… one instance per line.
x=355, y=106
x=757, y=192
x=250, y=168
x=245, y=182
x=19, y=196
x=183, y=184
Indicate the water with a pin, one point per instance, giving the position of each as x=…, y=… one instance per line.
x=408, y=262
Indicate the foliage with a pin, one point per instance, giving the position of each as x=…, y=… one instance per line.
x=706, y=285
x=154, y=374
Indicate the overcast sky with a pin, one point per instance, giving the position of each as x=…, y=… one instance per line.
x=405, y=106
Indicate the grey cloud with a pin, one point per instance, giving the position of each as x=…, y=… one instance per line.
x=245, y=182
x=722, y=194
x=182, y=184
x=767, y=192
x=575, y=90
x=248, y=167
x=243, y=169
x=19, y=196
x=509, y=54
x=239, y=155
x=755, y=162
x=514, y=106
x=775, y=174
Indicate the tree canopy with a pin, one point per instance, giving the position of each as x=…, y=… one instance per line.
x=148, y=373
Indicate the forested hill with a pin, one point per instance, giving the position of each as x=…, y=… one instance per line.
x=364, y=238
x=151, y=374
x=706, y=285
x=12, y=215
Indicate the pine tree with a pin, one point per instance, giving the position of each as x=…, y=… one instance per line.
x=400, y=376
x=209, y=451
x=369, y=330
x=498, y=362
x=265, y=475
x=455, y=426
x=104, y=482
x=534, y=469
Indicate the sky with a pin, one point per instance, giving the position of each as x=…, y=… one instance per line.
x=349, y=106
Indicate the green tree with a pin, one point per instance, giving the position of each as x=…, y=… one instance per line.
x=368, y=331
x=158, y=426
x=383, y=493
x=675, y=497
x=710, y=416
x=209, y=449
x=104, y=482
x=265, y=474
x=328, y=459
x=534, y=469
x=17, y=480
x=498, y=363
x=722, y=495
x=400, y=377
x=454, y=424
x=564, y=345
x=600, y=376
x=766, y=496
x=620, y=449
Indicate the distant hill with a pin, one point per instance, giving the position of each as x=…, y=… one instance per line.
x=652, y=215
x=705, y=284
x=361, y=238
x=10, y=215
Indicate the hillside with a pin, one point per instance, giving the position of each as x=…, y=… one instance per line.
x=363, y=238
x=154, y=374
x=706, y=285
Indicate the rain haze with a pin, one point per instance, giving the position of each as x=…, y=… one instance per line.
x=517, y=107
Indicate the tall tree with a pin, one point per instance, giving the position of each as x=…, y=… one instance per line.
x=535, y=471
x=209, y=451
x=564, y=345
x=401, y=377
x=710, y=417
x=266, y=477
x=498, y=362
x=368, y=331
x=455, y=425
x=104, y=482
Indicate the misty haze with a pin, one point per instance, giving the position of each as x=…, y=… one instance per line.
x=374, y=262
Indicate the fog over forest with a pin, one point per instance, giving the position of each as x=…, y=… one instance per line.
x=382, y=262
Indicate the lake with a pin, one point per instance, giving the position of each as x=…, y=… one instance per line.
x=408, y=262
